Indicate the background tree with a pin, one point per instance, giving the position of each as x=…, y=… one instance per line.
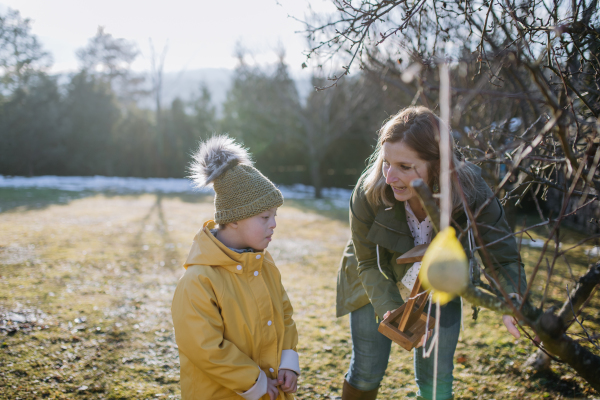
x=109, y=59
x=322, y=139
x=32, y=129
x=254, y=112
x=157, y=65
x=335, y=121
x=204, y=115
x=21, y=55
x=134, y=143
x=30, y=111
x=92, y=114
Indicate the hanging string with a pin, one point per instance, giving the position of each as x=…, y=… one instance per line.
x=378, y=265
x=437, y=347
x=427, y=353
x=434, y=342
x=416, y=296
x=462, y=315
x=427, y=323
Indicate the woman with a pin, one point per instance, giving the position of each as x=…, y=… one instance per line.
x=386, y=220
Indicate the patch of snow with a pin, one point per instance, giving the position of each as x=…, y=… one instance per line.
x=538, y=243
x=514, y=124
x=333, y=197
x=593, y=252
x=100, y=183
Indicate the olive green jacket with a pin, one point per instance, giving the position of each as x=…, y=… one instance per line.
x=359, y=279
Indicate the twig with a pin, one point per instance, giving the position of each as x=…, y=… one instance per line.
x=577, y=320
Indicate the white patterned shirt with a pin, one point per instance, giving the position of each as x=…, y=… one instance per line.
x=422, y=232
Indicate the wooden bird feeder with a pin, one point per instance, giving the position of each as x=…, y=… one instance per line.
x=406, y=325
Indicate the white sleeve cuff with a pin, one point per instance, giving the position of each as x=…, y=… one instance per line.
x=290, y=360
x=258, y=390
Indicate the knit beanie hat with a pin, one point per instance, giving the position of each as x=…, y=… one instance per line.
x=241, y=191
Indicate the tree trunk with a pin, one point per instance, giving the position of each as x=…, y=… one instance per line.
x=539, y=361
x=315, y=177
x=578, y=298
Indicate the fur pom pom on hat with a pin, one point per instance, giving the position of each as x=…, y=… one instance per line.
x=241, y=191
x=214, y=157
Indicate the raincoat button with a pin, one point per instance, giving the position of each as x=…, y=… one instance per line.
x=239, y=267
x=255, y=273
x=257, y=256
x=271, y=369
x=269, y=323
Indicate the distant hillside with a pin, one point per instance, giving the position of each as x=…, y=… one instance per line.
x=186, y=85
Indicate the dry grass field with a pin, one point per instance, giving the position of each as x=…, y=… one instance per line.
x=86, y=283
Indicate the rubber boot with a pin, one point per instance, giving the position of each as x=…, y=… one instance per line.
x=349, y=392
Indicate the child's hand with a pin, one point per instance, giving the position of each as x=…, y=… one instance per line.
x=272, y=390
x=287, y=380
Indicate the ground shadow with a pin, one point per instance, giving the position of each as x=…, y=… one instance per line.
x=26, y=199
x=565, y=385
x=161, y=226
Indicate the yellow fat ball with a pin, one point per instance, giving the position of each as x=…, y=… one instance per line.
x=445, y=267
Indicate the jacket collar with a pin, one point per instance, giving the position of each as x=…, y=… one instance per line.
x=208, y=250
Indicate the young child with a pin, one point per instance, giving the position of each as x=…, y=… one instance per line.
x=232, y=317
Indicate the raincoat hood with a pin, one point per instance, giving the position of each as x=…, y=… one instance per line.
x=208, y=250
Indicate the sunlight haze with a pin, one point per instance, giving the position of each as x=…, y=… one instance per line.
x=200, y=34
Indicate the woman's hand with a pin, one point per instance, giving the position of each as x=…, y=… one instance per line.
x=287, y=380
x=272, y=390
x=509, y=321
x=511, y=325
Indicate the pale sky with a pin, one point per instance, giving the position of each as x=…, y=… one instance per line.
x=200, y=34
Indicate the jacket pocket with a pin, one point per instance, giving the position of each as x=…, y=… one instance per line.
x=351, y=294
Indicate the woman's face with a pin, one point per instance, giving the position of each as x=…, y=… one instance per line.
x=401, y=165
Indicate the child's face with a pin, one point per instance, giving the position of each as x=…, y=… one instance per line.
x=257, y=231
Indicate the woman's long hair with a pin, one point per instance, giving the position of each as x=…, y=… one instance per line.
x=419, y=129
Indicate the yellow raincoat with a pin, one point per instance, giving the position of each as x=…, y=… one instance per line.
x=233, y=322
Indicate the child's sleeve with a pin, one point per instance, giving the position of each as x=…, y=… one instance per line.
x=289, y=355
x=199, y=335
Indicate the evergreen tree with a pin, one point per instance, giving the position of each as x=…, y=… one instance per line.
x=134, y=143
x=92, y=114
x=32, y=138
x=259, y=111
x=204, y=115
x=30, y=134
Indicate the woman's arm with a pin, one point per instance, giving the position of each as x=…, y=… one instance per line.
x=505, y=260
x=383, y=292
